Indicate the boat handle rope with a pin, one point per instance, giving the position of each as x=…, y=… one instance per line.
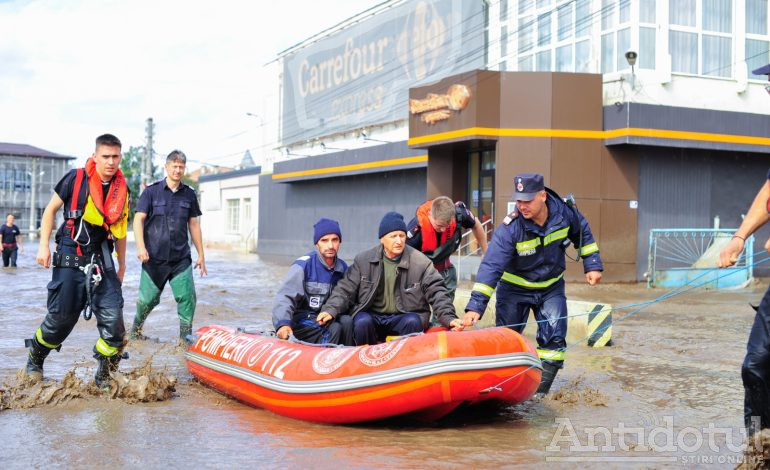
x=667, y=295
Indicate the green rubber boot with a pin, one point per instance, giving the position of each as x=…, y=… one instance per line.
x=147, y=299
x=183, y=287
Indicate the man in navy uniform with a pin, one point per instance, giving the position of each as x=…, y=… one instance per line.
x=11, y=236
x=526, y=261
x=756, y=366
x=166, y=211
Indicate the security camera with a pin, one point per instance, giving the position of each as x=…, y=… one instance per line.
x=631, y=57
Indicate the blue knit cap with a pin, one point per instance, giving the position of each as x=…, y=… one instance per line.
x=391, y=222
x=324, y=227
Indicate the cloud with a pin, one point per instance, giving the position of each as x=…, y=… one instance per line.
x=75, y=69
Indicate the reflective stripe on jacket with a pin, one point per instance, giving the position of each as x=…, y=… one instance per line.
x=532, y=257
x=306, y=287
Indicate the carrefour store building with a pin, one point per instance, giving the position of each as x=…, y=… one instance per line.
x=415, y=99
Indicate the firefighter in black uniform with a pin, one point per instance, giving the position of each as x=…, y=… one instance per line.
x=526, y=262
x=756, y=366
x=95, y=203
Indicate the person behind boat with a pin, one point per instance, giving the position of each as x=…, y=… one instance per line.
x=526, y=261
x=436, y=230
x=95, y=202
x=755, y=371
x=391, y=288
x=307, y=285
x=11, y=236
x=167, y=209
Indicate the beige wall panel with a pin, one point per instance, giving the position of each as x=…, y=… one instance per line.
x=618, y=228
x=620, y=173
x=576, y=168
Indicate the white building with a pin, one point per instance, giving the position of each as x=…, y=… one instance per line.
x=229, y=206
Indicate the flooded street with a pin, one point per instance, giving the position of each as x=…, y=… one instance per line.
x=667, y=393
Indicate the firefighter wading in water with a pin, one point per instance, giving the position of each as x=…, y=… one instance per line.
x=95, y=203
x=526, y=261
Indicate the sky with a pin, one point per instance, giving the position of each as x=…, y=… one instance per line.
x=71, y=70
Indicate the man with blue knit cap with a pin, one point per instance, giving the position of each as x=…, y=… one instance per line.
x=391, y=288
x=309, y=282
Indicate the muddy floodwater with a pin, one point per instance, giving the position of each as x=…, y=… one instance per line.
x=667, y=393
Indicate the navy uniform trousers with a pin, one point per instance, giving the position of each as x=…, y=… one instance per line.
x=756, y=369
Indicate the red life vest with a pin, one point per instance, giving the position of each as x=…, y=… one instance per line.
x=117, y=197
x=430, y=241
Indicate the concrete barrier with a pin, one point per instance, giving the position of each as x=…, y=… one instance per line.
x=588, y=323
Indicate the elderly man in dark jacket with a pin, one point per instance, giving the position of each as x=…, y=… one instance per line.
x=390, y=289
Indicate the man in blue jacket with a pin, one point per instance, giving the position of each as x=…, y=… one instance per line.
x=307, y=286
x=525, y=260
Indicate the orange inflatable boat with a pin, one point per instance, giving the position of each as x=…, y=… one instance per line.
x=426, y=375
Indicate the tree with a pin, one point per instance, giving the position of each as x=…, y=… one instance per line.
x=131, y=165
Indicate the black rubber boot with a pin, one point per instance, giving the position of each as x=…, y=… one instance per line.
x=106, y=364
x=546, y=379
x=35, y=359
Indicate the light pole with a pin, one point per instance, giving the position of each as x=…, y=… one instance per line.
x=33, y=200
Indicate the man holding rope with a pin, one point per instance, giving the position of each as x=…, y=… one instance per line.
x=526, y=262
x=756, y=365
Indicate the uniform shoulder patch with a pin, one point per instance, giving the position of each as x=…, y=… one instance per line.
x=510, y=217
x=413, y=232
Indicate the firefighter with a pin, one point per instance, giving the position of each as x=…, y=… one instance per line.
x=95, y=202
x=526, y=262
x=755, y=371
x=436, y=230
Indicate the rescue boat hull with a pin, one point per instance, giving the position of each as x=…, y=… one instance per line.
x=428, y=375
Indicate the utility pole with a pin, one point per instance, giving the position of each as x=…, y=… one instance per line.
x=147, y=157
x=33, y=201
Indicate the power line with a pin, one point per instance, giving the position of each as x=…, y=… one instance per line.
x=469, y=55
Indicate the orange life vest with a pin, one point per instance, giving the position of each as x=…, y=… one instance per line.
x=87, y=203
x=430, y=240
x=113, y=207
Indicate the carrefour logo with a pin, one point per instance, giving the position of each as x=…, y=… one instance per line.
x=420, y=44
x=414, y=42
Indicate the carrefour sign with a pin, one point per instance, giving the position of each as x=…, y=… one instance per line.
x=361, y=75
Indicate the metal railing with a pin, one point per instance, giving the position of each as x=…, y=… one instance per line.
x=466, y=249
x=676, y=256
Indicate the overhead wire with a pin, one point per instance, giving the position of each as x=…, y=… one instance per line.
x=466, y=57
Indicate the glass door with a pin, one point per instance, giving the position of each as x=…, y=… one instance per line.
x=481, y=187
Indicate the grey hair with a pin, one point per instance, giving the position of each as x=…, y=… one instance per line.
x=176, y=155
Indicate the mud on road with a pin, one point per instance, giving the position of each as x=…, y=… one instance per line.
x=672, y=377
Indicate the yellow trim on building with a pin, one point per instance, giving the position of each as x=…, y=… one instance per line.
x=590, y=134
x=353, y=167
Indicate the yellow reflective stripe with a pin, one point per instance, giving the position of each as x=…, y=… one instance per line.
x=520, y=281
x=484, y=289
x=557, y=235
x=105, y=349
x=550, y=354
x=39, y=336
x=528, y=245
x=588, y=249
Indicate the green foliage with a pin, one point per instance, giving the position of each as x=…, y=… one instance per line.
x=131, y=165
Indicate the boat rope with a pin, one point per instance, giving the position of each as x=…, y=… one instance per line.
x=640, y=306
x=667, y=295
